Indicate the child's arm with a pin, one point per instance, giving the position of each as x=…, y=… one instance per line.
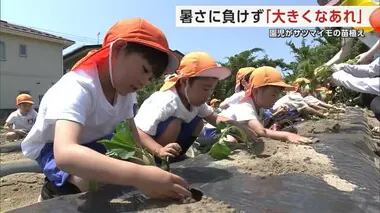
x=155, y=109
x=86, y=163
x=8, y=127
x=224, y=104
x=232, y=99
x=215, y=119
x=318, y=108
x=171, y=149
x=258, y=128
x=310, y=111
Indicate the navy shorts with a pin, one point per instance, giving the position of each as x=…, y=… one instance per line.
x=47, y=162
x=208, y=137
x=185, y=137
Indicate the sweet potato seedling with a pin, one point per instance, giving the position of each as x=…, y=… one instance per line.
x=222, y=149
x=324, y=72
x=123, y=146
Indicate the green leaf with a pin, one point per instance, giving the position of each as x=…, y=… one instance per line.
x=124, y=137
x=121, y=126
x=146, y=160
x=137, y=160
x=123, y=154
x=165, y=164
x=352, y=61
x=221, y=125
x=110, y=145
x=149, y=156
x=220, y=150
x=241, y=133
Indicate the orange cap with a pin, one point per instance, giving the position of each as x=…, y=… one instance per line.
x=196, y=64
x=298, y=81
x=214, y=101
x=323, y=89
x=265, y=76
x=241, y=74
x=131, y=30
x=24, y=98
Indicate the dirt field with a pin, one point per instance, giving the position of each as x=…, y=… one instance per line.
x=18, y=190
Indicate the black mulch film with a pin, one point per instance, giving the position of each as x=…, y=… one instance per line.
x=350, y=151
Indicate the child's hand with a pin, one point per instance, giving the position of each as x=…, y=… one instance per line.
x=157, y=183
x=284, y=109
x=294, y=138
x=342, y=110
x=172, y=150
x=20, y=132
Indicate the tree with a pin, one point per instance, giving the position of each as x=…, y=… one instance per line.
x=247, y=58
x=307, y=57
x=149, y=90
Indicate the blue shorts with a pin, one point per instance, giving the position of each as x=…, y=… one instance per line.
x=185, y=138
x=208, y=137
x=208, y=133
x=290, y=113
x=47, y=162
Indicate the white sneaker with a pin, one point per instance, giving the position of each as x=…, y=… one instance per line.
x=190, y=152
x=40, y=199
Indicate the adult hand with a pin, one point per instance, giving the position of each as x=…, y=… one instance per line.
x=364, y=58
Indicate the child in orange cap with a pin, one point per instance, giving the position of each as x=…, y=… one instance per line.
x=86, y=104
x=242, y=77
x=215, y=104
x=264, y=87
x=324, y=94
x=19, y=122
x=317, y=104
x=170, y=120
x=295, y=101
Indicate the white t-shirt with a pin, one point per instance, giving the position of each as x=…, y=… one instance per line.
x=164, y=104
x=311, y=100
x=22, y=122
x=292, y=100
x=78, y=97
x=242, y=111
x=235, y=98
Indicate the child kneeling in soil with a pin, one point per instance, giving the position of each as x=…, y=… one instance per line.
x=318, y=104
x=215, y=104
x=242, y=77
x=294, y=101
x=170, y=120
x=19, y=122
x=264, y=87
x=86, y=104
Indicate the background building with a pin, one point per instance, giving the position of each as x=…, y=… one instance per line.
x=30, y=62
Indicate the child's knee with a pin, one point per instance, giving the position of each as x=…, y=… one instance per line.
x=231, y=139
x=174, y=126
x=11, y=136
x=80, y=183
x=171, y=132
